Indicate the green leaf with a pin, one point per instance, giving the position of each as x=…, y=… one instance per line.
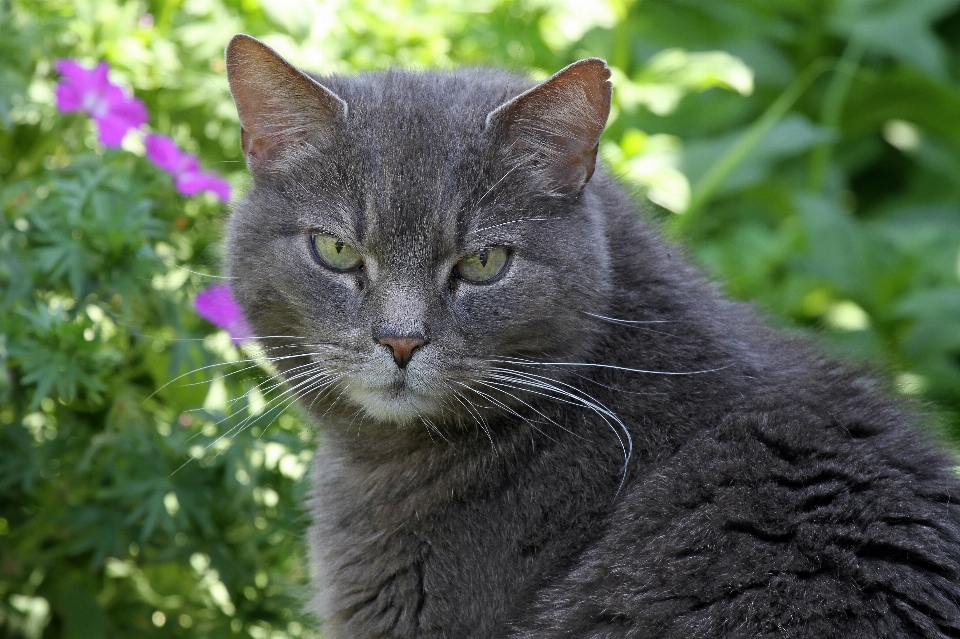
x=788, y=138
x=903, y=94
x=900, y=28
x=83, y=618
x=837, y=249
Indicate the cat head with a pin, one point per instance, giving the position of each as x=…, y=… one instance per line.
x=407, y=235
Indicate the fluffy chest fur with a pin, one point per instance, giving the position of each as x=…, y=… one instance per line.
x=537, y=420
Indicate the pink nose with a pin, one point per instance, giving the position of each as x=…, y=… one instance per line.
x=402, y=347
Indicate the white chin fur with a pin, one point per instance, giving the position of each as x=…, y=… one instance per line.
x=391, y=406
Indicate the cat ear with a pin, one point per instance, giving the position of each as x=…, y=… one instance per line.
x=557, y=124
x=277, y=103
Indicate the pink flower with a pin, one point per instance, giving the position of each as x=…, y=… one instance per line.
x=89, y=90
x=185, y=168
x=217, y=306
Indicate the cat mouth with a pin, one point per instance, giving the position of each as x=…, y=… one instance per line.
x=394, y=402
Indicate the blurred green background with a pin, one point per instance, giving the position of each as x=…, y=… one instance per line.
x=806, y=152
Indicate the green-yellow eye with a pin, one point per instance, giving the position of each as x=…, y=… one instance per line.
x=334, y=253
x=484, y=266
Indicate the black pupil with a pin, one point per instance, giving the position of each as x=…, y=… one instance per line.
x=338, y=245
x=483, y=258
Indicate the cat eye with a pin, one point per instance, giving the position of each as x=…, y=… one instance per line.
x=334, y=253
x=483, y=267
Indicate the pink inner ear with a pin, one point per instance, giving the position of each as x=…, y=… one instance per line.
x=589, y=162
x=260, y=147
x=251, y=145
x=263, y=117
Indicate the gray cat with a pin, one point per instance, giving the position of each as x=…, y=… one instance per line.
x=537, y=419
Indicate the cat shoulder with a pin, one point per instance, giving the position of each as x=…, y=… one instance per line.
x=774, y=523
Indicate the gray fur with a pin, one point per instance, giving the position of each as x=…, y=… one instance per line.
x=767, y=491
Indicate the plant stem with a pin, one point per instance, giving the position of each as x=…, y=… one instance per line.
x=832, y=108
x=706, y=187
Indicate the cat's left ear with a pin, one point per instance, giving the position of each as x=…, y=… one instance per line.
x=278, y=104
x=556, y=125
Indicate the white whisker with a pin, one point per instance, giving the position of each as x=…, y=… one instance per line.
x=477, y=416
x=272, y=404
x=500, y=387
x=623, y=321
x=497, y=183
x=505, y=407
x=256, y=361
x=521, y=362
x=528, y=219
x=575, y=396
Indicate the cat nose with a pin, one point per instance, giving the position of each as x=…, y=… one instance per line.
x=402, y=347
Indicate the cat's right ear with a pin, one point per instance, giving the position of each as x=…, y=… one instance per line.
x=555, y=127
x=278, y=104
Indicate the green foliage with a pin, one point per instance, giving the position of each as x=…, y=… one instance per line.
x=806, y=152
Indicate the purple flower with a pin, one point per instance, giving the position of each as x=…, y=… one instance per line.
x=217, y=306
x=110, y=107
x=185, y=168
